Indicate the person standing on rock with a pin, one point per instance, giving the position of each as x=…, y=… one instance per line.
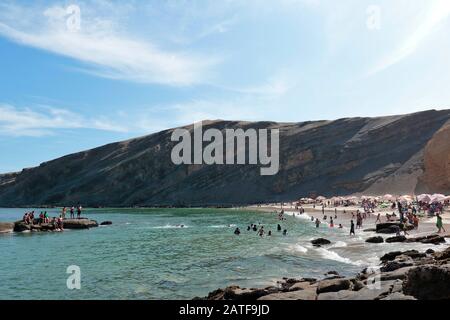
x=439, y=223
x=78, y=212
x=63, y=213
x=72, y=213
x=352, y=228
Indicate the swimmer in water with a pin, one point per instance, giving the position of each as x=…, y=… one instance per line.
x=284, y=232
x=237, y=231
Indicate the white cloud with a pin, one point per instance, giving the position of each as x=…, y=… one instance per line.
x=439, y=11
x=27, y=122
x=105, y=51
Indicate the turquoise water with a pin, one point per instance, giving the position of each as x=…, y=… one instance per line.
x=144, y=255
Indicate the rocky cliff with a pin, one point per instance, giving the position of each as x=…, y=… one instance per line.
x=395, y=154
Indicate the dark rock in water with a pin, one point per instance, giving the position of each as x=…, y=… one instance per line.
x=370, y=230
x=307, y=294
x=428, y=282
x=442, y=255
x=79, y=224
x=396, y=239
x=332, y=273
x=240, y=294
x=434, y=240
x=320, y=242
x=375, y=240
x=429, y=251
x=21, y=226
x=106, y=223
x=414, y=254
x=333, y=285
x=390, y=256
x=394, y=265
x=6, y=227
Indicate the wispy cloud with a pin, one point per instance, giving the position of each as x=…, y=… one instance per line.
x=104, y=51
x=439, y=11
x=28, y=122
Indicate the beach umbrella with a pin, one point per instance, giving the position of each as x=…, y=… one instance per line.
x=424, y=198
x=388, y=197
x=406, y=198
x=321, y=198
x=437, y=197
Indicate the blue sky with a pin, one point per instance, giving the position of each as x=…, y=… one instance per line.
x=137, y=68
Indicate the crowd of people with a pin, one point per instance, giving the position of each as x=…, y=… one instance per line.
x=29, y=218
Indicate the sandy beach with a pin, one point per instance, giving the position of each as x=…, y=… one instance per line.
x=427, y=225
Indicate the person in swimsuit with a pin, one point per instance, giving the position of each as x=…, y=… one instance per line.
x=352, y=228
x=439, y=223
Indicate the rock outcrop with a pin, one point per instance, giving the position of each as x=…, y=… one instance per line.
x=6, y=227
x=408, y=275
x=21, y=226
x=341, y=157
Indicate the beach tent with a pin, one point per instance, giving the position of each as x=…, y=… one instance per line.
x=424, y=198
x=406, y=198
x=437, y=197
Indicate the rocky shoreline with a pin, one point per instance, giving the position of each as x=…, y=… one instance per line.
x=407, y=275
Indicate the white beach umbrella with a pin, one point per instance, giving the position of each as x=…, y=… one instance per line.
x=424, y=197
x=321, y=198
x=388, y=197
x=406, y=198
x=437, y=197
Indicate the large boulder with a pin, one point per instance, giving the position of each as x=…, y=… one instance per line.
x=444, y=255
x=375, y=240
x=388, y=227
x=333, y=285
x=320, y=242
x=428, y=282
x=79, y=224
x=396, y=239
x=21, y=226
x=308, y=294
x=6, y=227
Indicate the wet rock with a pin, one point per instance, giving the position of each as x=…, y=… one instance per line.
x=442, y=255
x=428, y=282
x=303, y=286
x=390, y=256
x=396, y=239
x=431, y=239
x=370, y=230
x=340, y=295
x=79, y=224
x=320, y=242
x=388, y=227
x=399, y=274
x=106, y=223
x=309, y=294
x=335, y=273
x=429, y=251
x=394, y=265
x=333, y=285
x=6, y=227
x=21, y=226
x=398, y=296
x=375, y=240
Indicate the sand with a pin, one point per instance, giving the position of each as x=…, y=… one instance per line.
x=426, y=225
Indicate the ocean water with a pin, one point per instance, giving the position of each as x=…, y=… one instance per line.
x=145, y=254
